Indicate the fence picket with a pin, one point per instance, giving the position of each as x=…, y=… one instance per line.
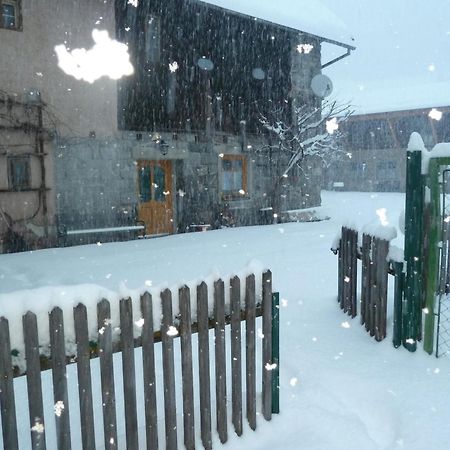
x=186, y=367
x=7, y=403
x=167, y=333
x=365, y=283
x=267, y=345
x=148, y=363
x=84, y=377
x=203, y=359
x=250, y=356
x=382, y=274
x=236, y=355
x=60, y=396
x=107, y=374
x=220, y=355
x=105, y=347
x=353, y=272
x=340, y=255
x=129, y=373
x=34, y=383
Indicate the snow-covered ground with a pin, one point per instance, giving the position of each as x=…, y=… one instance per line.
x=339, y=388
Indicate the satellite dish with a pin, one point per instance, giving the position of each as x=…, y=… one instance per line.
x=258, y=73
x=205, y=64
x=322, y=86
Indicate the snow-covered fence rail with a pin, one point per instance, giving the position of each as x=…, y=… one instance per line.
x=182, y=326
x=373, y=254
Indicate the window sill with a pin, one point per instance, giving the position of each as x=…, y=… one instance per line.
x=235, y=197
x=11, y=28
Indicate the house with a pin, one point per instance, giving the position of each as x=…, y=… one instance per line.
x=377, y=137
x=176, y=145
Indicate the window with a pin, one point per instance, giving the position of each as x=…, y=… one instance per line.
x=152, y=40
x=234, y=175
x=19, y=177
x=10, y=14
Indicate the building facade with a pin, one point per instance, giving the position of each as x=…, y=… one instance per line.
x=176, y=146
x=375, y=148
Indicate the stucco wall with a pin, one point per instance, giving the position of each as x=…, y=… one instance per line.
x=28, y=61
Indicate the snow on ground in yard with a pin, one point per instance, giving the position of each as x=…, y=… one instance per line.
x=339, y=388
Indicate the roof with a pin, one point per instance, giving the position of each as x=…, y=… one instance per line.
x=311, y=17
x=400, y=95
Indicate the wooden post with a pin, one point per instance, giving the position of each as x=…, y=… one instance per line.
x=148, y=362
x=276, y=353
x=60, y=396
x=7, y=402
x=168, y=332
x=221, y=365
x=105, y=352
x=203, y=359
x=34, y=382
x=129, y=375
x=186, y=367
x=84, y=377
x=236, y=363
x=267, y=345
x=353, y=272
x=250, y=357
x=365, y=280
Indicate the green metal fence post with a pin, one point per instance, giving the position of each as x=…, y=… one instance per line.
x=432, y=263
x=413, y=250
x=398, y=303
x=276, y=353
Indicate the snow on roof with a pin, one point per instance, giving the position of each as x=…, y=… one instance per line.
x=303, y=15
x=398, y=95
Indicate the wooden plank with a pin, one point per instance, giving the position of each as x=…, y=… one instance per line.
x=148, y=362
x=236, y=357
x=373, y=293
x=186, y=367
x=340, y=270
x=60, y=396
x=7, y=402
x=84, y=377
x=203, y=361
x=220, y=357
x=347, y=263
x=129, y=373
x=34, y=382
x=353, y=273
x=382, y=275
x=250, y=356
x=276, y=353
x=168, y=332
x=105, y=350
x=267, y=345
x=365, y=262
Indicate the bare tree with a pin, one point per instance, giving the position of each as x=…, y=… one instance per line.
x=313, y=133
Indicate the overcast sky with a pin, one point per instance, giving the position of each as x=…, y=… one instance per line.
x=399, y=43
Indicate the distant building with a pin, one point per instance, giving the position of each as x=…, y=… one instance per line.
x=376, y=142
x=173, y=146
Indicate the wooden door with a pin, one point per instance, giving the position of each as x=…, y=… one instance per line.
x=155, y=196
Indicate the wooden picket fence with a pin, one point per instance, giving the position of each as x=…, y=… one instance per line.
x=171, y=327
x=374, y=279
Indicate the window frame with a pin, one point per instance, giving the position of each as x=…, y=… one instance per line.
x=13, y=185
x=17, y=4
x=234, y=194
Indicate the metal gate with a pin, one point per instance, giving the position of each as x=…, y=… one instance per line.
x=443, y=292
